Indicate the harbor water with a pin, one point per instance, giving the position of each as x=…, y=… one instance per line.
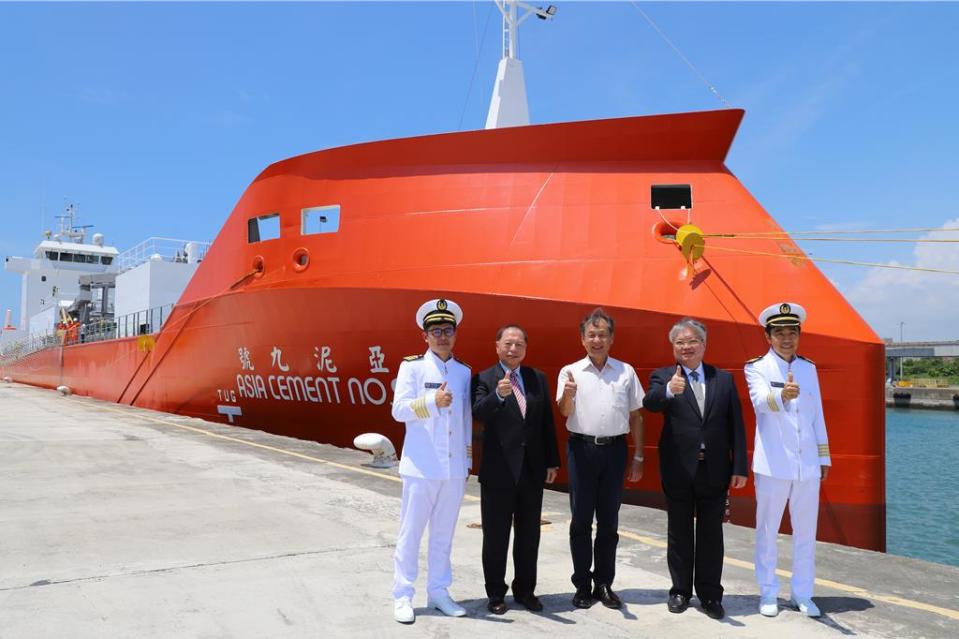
x=922, y=474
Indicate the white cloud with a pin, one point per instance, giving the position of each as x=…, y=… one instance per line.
x=928, y=303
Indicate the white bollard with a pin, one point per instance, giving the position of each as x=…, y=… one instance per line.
x=64, y=390
x=384, y=454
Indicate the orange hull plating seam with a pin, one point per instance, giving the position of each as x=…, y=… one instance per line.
x=534, y=225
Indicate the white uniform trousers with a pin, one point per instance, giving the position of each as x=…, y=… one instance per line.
x=427, y=501
x=771, y=497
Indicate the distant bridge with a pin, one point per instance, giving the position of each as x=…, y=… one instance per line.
x=898, y=351
x=922, y=349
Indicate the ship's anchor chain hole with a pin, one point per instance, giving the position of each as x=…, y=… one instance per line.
x=301, y=259
x=259, y=266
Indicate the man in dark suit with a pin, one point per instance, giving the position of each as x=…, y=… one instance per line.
x=702, y=453
x=519, y=455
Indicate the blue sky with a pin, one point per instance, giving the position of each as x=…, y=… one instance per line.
x=155, y=117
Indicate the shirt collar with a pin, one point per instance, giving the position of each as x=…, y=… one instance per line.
x=699, y=370
x=507, y=369
x=586, y=363
x=436, y=359
x=780, y=360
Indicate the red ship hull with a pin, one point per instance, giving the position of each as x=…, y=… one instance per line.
x=532, y=225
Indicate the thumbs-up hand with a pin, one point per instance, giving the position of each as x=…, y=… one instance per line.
x=791, y=389
x=677, y=383
x=503, y=387
x=569, y=387
x=443, y=397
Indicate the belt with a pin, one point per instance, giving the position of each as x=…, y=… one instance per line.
x=598, y=441
x=701, y=456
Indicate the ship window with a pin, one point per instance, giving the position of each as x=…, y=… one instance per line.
x=53, y=255
x=263, y=228
x=43, y=278
x=106, y=259
x=671, y=196
x=66, y=257
x=320, y=219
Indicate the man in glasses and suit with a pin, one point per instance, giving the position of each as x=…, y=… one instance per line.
x=519, y=455
x=702, y=454
x=432, y=399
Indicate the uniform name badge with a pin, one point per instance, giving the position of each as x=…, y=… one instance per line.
x=777, y=384
x=431, y=385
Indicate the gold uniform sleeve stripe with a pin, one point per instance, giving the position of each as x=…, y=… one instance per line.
x=419, y=407
x=771, y=400
x=824, y=450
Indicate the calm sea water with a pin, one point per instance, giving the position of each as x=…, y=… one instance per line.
x=922, y=484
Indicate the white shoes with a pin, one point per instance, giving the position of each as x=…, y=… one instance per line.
x=403, y=610
x=447, y=606
x=768, y=607
x=806, y=606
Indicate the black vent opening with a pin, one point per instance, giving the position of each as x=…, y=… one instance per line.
x=671, y=196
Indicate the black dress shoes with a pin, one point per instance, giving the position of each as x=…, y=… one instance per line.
x=677, y=603
x=605, y=595
x=496, y=606
x=530, y=602
x=714, y=609
x=582, y=598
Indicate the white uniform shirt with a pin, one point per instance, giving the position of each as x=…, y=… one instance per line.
x=438, y=441
x=791, y=440
x=604, y=398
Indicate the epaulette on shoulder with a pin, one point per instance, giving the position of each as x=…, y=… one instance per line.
x=806, y=358
x=461, y=362
x=413, y=358
x=754, y=360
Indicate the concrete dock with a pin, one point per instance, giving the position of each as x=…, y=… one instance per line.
x=122, y=522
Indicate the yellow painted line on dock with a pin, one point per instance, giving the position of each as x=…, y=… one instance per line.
x=274, y=449
x=644, y=539
x=835, y=585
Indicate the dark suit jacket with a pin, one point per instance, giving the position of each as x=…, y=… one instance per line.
x=508, y=439
x=721, y=429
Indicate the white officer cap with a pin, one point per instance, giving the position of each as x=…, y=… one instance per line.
x=782, y=314
x=439, y=312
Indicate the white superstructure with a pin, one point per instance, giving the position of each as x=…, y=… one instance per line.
x=508, y=106
x=51, y=277
x=103, y=293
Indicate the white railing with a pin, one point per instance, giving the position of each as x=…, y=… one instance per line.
x=129, y=325
x=169, y=250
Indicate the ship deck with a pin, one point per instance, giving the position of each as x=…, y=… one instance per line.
x=123, y=522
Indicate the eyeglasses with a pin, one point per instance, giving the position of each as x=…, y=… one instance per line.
x=449, y=331
x=685, y=343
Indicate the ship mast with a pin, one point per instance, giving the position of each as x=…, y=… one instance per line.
x=508, y=106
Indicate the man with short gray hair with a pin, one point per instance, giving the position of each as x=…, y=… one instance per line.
x=702, y=454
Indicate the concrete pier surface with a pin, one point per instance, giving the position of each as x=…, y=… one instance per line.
x=122, y=522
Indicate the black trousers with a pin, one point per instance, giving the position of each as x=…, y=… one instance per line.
x=695, y=556
x=519, y=507
x=596, y=475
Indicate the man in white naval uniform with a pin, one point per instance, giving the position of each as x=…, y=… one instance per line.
x=432, y=398
x=790, y=457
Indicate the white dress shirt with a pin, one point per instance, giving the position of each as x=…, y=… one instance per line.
x=604, y=398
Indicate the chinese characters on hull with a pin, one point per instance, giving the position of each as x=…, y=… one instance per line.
x=285, y=386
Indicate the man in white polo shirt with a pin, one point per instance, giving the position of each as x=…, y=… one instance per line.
x=600, y=398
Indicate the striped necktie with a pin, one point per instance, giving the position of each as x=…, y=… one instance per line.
x=518, y=393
